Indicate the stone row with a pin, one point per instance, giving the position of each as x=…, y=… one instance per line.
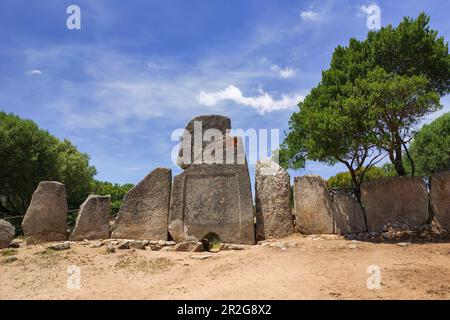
x=212, y=199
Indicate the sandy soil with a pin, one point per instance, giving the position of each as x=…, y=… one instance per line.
x=316, y=268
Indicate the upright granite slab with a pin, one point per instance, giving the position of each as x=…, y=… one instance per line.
x=46, y=217
x=440, y=198
x=199, y=133
x=273, y=201
x=213, y=194
x=400, y=199
x=145, y=209
x=212, y=199
x=93, y=219
x=313, y=207
x=348, y=214
x=7, y=233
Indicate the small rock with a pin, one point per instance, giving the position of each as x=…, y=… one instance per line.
x=96, y=244
x=236, y=247
x=60, y=246
x=138, y=244
x=214, y=250
x=403, y=244
x=110, y=248
x=124, y=245
x=353, y=246
x=155, y=247
x=10, y=259
x=16, y=243
x=200, y=256
x=153, y=242
x=170, y=243
x=189, y=247
x=162, y=243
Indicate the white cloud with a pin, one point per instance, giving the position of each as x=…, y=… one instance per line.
x=310, y=15
x=34, y=72
x=285, y=73
x=263, y=103
x=153, y=65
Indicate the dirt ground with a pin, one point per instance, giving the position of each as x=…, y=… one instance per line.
x=301, y=268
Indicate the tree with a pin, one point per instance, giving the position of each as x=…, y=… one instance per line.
x=397, y=104
x=430, y=148
x=116, y=191
x=370, y=99
x=343, y=180
x=29, y=155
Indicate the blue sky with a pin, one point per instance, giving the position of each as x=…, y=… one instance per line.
x=138, y=70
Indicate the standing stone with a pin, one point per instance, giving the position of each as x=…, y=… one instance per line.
x=93, y=219
x=400, y=199
x=273, y=201
x=214, y=198
x=145, y=209
x=7, y=233
x=194, y=132
x=46, y=217
x=313, y=207
x=348, y=214
x=440, y=198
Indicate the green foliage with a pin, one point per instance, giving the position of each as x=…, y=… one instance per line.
x=343, y=180
x=116, y=191
x=430, y=148
x=29, y=155
x=370, y=100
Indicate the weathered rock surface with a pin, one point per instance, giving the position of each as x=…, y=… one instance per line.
x=46, y=217
x=273, y=201
x=145, y=209
x=212, y=199
x=60, y=246
x=191, y=246
x=440, y=199
x=401, y=199
x=348, y=214
x=93, y=219
x=195, y=141
x=313, y=207
x=7, y=233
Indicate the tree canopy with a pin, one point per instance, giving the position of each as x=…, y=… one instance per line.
x=430, y=148
x=29, y=155
x=369, y=101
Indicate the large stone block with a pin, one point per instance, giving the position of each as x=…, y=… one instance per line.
x=93, y=219
x=273, y=201
x=199, y=133
x=440, y=198
x=400, y=199
x=212, y=199
x=46, y=217
x=348, y=214
x=145, y=209
x=7, y=233
x=313, y=207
